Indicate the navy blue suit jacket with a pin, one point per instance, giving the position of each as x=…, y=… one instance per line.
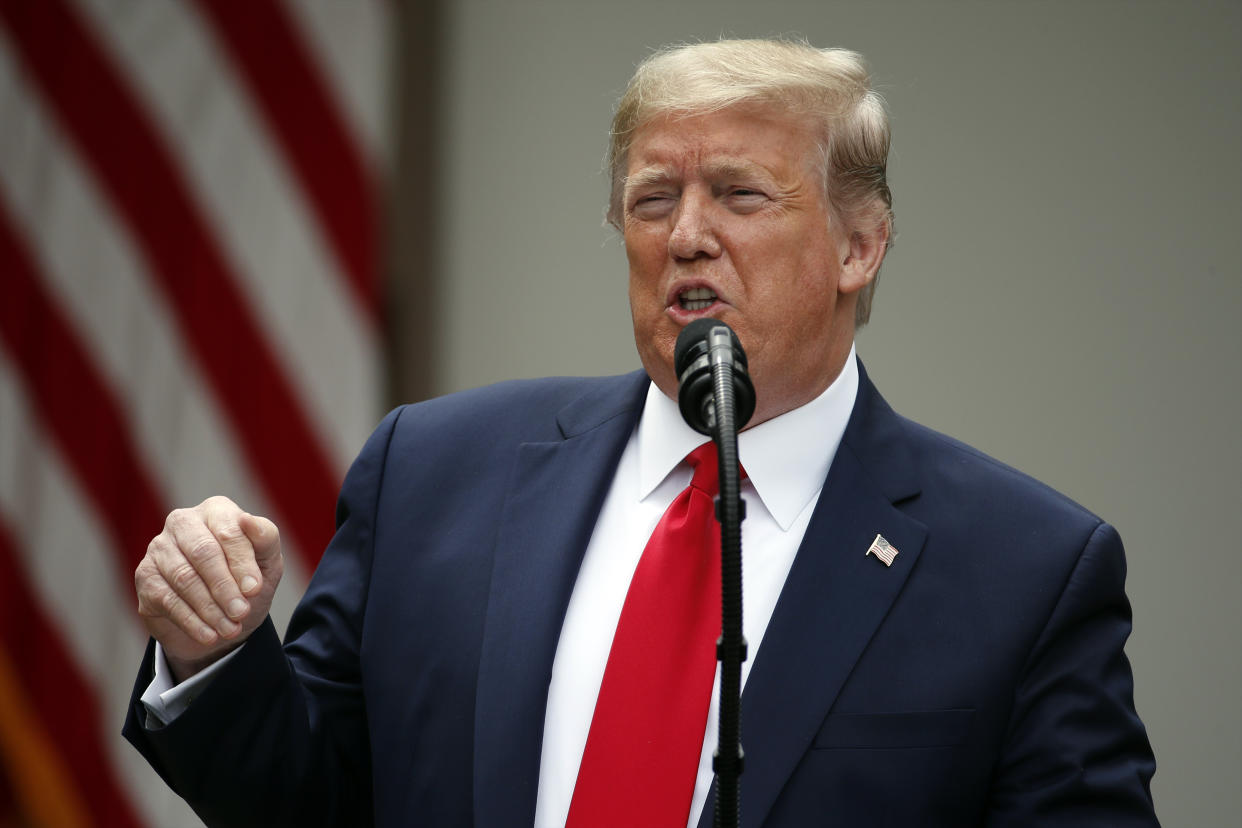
x=979, y=680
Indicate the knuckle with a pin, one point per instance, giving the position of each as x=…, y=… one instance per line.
x=147, y=610
x=143, y=573
x=223, y=586
x=230, y=534
x=202, y=550
x=146, y=599
x=157, y=548
x=183, y=578
x=176, y=518
x=183, y=616
x=154, y=601
x=217, y=508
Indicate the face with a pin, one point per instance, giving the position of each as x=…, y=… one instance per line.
x=725, y=216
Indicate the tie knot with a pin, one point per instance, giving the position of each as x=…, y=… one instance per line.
x=706, y=471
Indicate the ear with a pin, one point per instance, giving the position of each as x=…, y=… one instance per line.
x=862, y=258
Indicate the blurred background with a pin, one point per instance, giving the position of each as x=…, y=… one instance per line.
x=232, y=235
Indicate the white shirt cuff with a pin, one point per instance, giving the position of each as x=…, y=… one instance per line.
x=165, y=699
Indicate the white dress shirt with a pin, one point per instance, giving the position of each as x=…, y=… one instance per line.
x=786, y=460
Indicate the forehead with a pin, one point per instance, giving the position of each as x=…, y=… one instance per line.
x=732, y=140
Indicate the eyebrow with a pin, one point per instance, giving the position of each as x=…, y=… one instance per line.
x=648, y=177
x=730, y=168
x=724, y=168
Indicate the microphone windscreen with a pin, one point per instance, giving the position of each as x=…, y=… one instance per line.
x=692, y=361
x=691, y=335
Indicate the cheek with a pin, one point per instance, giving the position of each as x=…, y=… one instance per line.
x=631, y=253
x=646, y=266
x=646, y=305
x=818, y=272
x=643, y=299
x=797, y=302
x=644, y=250
x=788, y=280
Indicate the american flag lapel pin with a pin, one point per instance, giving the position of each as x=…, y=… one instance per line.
x=883, y=550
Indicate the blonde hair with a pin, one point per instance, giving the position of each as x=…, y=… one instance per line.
x=831, y=86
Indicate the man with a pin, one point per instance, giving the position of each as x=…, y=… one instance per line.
x=935, y=639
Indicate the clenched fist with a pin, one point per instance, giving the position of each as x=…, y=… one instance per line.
x=207, y=582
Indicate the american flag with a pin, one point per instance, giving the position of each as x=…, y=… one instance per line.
x=883, y=550
x=189, y=305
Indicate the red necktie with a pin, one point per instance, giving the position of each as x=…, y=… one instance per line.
x=642, y=752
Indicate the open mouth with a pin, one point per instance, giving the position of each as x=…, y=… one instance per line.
x=696, y=298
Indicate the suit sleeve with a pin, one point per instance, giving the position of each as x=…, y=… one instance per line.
x=279, y=736
x=1076, y=753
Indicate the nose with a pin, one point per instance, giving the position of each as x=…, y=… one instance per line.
x=694, y=232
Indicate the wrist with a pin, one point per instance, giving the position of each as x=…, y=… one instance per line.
x=183, y=668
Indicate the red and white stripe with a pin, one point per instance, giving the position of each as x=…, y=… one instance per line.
x=189, y=305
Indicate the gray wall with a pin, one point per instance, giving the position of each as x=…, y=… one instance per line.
x=1065, y=292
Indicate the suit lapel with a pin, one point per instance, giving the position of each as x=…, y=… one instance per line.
x=554, y=500
x=834, y=599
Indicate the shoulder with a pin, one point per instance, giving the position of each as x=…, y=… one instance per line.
x=979, y=511
x=528, y=410
x=1015, y=540
x=532, y=405
x=925, y=469
x=964, y=472
x=473, y=435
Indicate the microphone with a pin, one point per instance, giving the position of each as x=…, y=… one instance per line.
x=717, y=398
x=702, y=344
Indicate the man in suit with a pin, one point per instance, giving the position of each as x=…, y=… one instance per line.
x=445, y=663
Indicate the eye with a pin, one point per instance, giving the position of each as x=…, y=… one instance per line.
x=745, y=199
x=652, y=205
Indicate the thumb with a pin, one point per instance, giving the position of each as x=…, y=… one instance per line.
x=264, y=537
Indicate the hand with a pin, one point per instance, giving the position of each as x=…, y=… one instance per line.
x=207, y=581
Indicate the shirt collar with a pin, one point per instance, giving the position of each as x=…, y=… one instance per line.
x=786, y=458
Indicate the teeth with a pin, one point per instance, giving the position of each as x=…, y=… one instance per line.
x=697, y=298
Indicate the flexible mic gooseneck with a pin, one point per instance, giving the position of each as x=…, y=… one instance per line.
x=717, y=398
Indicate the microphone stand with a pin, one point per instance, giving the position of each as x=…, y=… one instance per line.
x=727, y=762
x=716, y=397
